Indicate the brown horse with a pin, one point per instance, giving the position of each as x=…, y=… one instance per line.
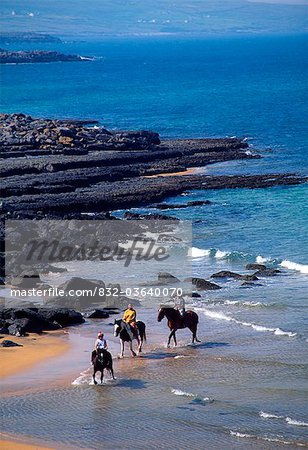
x=176, y=321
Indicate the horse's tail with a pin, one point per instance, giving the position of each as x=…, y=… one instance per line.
x=144, y=335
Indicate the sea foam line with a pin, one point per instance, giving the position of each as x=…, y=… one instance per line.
x=190, y=394
x=289, y=420
x=264, y=438
x=221, y=316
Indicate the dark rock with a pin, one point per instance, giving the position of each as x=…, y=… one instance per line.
x=97, y=314
x=182, y=205
x=249, y=284
x=86, y=291
x=267, y=272
x=256, y=267
x=135, y=216
x=18, y=321
x=202, y=284
x=165, y=277
x=7, y=343
x=195, y=295
x=236, y=276
x=63, y=316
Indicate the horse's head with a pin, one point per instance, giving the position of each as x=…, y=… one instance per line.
x=161, y=314
x=117, y=327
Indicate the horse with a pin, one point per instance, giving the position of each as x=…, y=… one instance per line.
x=121, y=331
x=101, y=362
x=176, y=321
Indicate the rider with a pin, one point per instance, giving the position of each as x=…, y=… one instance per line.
x=100, y=345
x=180, y=305
x=129, y=318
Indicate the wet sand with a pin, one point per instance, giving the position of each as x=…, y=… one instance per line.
x=35, y=349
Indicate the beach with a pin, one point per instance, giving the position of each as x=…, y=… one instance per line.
x=35, y=349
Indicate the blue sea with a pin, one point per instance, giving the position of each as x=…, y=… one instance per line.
x=248, y=86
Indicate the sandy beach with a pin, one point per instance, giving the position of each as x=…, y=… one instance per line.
x=35, y=349
x=190, y=171
x=16, y=445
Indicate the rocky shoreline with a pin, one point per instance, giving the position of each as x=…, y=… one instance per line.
x=37, y=56
x=62, y=168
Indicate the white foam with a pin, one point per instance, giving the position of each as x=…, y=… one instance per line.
x=238, y=303
x=261, y=260
x=220, y=254
x=264, y=438
x=240, y=435
x=269, y=416
x=289, y=420
x=296, y=422
x=221, y=316
x=182, y=393
x=196, y=252
x=303, y=268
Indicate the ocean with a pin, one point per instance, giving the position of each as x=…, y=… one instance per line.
x=245, y=385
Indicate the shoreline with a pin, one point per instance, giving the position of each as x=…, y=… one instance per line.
x=10, y=441
x=36, y=349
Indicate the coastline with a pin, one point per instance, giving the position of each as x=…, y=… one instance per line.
x=36, y=349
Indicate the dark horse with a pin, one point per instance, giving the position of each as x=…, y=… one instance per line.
x=176, y=321
x=120, y=330
x=101, y=362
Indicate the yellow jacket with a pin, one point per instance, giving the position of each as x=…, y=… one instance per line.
x=129, y=315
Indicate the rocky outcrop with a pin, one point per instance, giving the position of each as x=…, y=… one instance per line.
x=20, y=321
x=37, y=56
x=97, y=314
x=7, y=343
x=236, y=276
x=267, y=272
x=202, y=284
x=256, y=267
x=166, y=278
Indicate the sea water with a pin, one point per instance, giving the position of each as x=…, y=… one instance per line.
x=245, y=384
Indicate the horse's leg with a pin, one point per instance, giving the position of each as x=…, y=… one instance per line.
x=131, y=348
x=122, y=348
x=169, y=338
x=94, y=372
x=140, y=346
x=112, y=374
x=174, y=338
x=102, y=375
x=194, y=334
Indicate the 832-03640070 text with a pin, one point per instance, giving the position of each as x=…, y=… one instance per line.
x=99, y=292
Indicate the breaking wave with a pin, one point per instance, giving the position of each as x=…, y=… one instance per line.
x=182, y=393
x=303, y=268
x=191, y=395
x=196, y=252
x=221, y=316
x=264, y=438
x=289, y=420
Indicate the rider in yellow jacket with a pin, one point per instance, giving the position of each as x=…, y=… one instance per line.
x=129, y=318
